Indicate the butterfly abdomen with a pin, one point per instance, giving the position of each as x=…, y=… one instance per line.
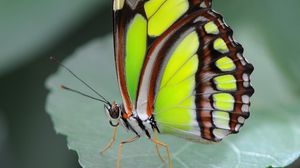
x=139, y=127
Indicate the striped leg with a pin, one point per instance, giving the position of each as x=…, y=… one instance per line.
x=157, y=147
x=157, y=142
x=111, y=142
x=121, y=147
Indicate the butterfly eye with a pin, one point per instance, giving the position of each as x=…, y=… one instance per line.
x=114, y=113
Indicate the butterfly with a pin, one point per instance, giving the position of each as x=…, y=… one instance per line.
x=179, y=71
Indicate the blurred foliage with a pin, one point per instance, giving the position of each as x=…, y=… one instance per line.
x=32, y=30
x=31, y=140
x=29, y=27
x=3, y=137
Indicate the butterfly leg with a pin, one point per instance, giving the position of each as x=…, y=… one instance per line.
x=157, y=142
x=157, y=147
x=111, y=142
x=121, y=147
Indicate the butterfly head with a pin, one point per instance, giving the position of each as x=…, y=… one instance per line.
x=113, y=111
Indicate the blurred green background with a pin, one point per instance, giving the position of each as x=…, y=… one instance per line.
x=33, y=30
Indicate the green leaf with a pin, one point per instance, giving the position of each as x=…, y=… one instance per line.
x=269, y=138
x=29, y=28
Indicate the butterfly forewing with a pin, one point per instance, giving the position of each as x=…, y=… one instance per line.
x=130, y=41
x=176, y=60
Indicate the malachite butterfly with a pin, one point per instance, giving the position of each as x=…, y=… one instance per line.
x=179, y=70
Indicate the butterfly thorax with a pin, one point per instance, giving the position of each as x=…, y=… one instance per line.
x=136, y=125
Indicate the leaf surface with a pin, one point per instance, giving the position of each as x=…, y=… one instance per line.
x=270, y=137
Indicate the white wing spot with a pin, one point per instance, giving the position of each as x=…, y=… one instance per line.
x=246, y=84
x=245, y=108
x=241, y=120
x=118, y=4
x=237, y=127
x=246, y=99
x=245, y=77
x=241, y=59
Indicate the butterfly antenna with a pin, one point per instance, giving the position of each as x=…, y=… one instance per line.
x=82, y=81
x=81, y=93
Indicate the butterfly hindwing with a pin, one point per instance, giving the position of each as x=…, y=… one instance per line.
x=217, y=96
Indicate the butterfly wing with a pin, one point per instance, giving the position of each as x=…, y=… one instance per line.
x=196, y=81
x=130, y=43
x=176, y=60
